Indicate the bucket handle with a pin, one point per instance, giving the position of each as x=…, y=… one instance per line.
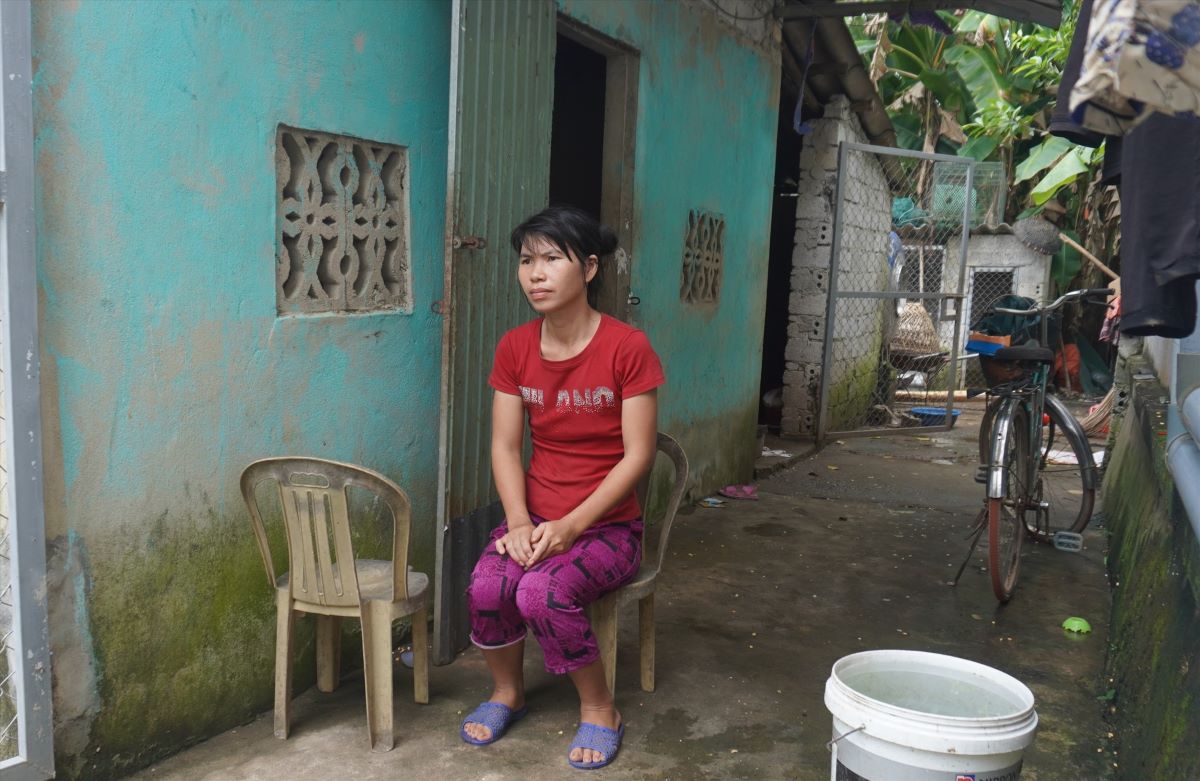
x=829, y=745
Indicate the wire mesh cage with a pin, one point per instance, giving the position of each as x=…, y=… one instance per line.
x=989, y=191
x=898, y=253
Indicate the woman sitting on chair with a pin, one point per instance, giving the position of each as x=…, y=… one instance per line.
x=572, y=531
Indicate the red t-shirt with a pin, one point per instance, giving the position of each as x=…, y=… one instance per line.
x=574, y=410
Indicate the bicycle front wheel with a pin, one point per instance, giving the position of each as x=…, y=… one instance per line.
x=1006, y=513
x=1067, y=476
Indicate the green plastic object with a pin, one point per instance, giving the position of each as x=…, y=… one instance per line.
x=1077, y=624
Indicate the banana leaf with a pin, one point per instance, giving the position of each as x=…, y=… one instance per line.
x=1064, y=264
x=1064, y=172
x=1041, y=157
x=980, y=147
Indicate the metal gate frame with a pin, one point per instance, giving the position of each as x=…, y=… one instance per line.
x=948, y=300
x=30, y=680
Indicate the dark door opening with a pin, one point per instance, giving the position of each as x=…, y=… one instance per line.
x=577, y=133
x=779, y=269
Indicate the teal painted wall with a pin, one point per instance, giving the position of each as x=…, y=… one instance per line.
x=165, y=367
x=706, y=127
x=166, y=370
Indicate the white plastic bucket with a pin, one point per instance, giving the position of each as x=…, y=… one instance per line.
x=915, y=716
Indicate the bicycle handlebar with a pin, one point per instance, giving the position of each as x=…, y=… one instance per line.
x=1074, y=295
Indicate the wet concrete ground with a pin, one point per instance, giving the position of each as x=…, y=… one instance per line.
x=848, y=550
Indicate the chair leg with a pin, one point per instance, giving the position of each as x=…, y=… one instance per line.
x=377, y=670
x=285, y=621
x=604, y=626
x=329, y=652
x=646, y=642
x=420, y=646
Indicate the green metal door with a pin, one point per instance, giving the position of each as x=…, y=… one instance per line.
x=501, y=95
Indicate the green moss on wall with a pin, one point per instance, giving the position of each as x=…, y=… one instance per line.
x=1154, y=657
x=720, y=450
x=184, y=627
x=853, y=394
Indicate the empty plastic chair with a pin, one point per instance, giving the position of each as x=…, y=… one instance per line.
x=324, y=578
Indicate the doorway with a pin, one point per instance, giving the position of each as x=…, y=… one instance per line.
x=577, y=129
x=592, y=145
x=779, y=267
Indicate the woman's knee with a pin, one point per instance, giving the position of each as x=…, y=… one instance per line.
x=535, y=595
x=487, y=593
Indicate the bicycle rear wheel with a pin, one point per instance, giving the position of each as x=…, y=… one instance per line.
x=1067, y=477
x=1006, y=514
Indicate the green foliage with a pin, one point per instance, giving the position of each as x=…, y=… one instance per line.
x=994, y=78
x=1077, y=160
x=1064, y=264
x=1000, y=120
x=979, y=147
x=1041, y=157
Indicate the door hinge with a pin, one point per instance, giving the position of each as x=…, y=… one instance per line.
x=469, y=242
x=3, y=186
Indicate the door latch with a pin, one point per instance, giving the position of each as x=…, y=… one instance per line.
x=469, y=242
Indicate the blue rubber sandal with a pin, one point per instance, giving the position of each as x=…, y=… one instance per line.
x=496, y=716
x=593, y=736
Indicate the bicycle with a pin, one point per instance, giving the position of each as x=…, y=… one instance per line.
x=1033, y=489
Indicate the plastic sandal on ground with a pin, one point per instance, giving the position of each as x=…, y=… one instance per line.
x=593, y=736
x=739, y=491
x=496, y=716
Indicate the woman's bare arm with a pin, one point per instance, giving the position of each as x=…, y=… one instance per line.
x=508, y=469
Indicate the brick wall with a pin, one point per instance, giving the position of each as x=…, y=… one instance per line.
x=866, y=223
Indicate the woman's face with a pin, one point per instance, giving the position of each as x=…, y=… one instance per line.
x=552, y=279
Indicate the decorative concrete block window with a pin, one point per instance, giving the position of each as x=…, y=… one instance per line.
x=703, y=258
x=341, y=224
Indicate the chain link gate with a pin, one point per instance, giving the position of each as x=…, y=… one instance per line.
x=893, y=325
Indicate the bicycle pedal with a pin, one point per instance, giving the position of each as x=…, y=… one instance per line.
x=1070, y=542
x=981, y=476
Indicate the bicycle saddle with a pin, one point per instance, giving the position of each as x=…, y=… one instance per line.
x=1025, y=353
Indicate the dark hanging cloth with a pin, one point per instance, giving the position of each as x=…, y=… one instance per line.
x=1111, y=172
x=1061, y=123
x=1160, y=227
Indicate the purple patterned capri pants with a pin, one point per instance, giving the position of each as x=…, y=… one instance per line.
x=550, y=598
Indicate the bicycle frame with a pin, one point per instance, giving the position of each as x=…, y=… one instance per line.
x=1033, y=394
x=1032, y=397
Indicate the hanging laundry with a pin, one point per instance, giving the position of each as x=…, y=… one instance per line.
x=1061, y=123
x=1160, y=227
x=1141, y=57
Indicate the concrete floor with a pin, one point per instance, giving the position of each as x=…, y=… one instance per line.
x=848, y=550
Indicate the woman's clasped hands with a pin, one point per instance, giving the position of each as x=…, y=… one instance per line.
x=527, y=544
